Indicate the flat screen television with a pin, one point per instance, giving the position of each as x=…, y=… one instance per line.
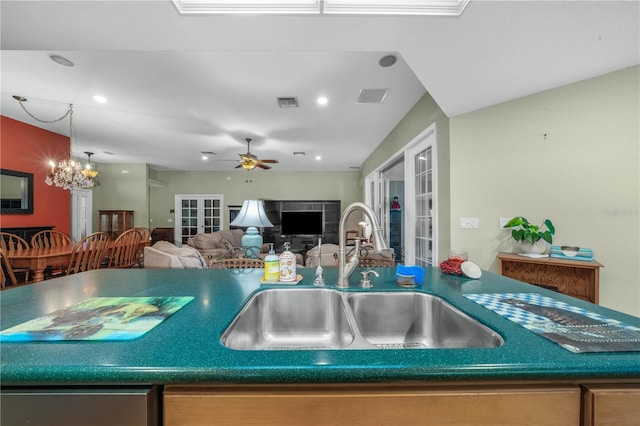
x=301, y=223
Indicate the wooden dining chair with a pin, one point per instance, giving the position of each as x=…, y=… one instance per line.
x=11, y=242
x=7, y=271
x=145, y=240
x=89, y=253
x=51, y=238
x=351, y=236
x=125, y=248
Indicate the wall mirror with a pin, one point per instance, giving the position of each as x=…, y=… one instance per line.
x=16, y=192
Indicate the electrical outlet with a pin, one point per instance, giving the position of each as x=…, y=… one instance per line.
x=503, y=222
x=468, y=222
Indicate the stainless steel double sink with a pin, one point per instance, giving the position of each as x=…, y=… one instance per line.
x=327, y=319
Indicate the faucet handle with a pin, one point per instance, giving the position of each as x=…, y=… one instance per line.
x=366, y=282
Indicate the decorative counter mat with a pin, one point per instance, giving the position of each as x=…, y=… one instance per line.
x=99, y=318
x=573, y=328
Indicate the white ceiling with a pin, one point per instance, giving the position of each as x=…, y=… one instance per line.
x=181, y=84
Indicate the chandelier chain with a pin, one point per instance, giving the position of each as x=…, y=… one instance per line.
x=69, y=112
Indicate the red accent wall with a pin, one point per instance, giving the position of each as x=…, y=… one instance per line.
x=26, y=148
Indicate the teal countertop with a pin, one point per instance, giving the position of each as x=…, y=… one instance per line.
x=186, y=347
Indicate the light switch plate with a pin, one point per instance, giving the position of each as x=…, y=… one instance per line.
x=468, y=222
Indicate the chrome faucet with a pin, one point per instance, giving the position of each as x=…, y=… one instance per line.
x=347, y=266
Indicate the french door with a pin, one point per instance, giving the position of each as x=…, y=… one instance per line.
x=197, y=213
x=420, y=199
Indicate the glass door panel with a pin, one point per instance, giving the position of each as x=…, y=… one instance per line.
x=197, y=214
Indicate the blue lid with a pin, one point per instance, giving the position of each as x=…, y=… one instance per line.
x=416, y=271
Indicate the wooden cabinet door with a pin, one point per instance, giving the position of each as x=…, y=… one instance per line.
x=365, y=406
x=611, y=405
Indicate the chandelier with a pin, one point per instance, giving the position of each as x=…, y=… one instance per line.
x=67, y=173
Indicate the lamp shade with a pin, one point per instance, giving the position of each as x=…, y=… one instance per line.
x=252, y=214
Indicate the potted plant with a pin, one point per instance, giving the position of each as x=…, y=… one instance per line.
x=531, y=237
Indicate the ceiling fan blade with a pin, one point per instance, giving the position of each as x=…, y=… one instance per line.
x=262, y=166
x=269, y=161
x=238, y=166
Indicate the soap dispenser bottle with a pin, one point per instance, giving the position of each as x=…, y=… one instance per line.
x=271, y=266
x=287, y=265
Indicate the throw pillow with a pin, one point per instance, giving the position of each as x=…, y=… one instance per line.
x=224, y=243
x=206, y=241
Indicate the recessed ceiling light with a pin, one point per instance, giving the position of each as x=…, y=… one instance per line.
x=100, y=99
x=318, y=157
x=204, y=157
x=61, y=60
x=322, y=100
x=388, y=60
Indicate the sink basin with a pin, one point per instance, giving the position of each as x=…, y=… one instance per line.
x=318, y=319
x=291, y=319
x=417, y=320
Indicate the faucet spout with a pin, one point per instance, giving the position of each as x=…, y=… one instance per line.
x=347, y=266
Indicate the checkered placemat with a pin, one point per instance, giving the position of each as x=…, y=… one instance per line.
x=573, y=328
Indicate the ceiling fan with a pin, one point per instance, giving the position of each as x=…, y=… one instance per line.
x=249, y=161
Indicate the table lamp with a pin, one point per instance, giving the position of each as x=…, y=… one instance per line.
x=252, y=214
x=363, y=225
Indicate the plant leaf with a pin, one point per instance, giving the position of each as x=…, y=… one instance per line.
x=516, y=221
x=546, y=235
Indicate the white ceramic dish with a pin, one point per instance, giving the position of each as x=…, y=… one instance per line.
x=569, y=251
x=471, y=270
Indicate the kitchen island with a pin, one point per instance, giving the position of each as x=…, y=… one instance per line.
x=193, y=377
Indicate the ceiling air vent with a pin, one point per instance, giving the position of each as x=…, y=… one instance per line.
x=290, y=102
x=372, y=96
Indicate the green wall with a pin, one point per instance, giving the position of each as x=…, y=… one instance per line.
x=122, y=187
x=236, y=186
x=571, y=155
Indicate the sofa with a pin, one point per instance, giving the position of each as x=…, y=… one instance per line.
x=165, y=255
x=327, y=252
x=222, y=244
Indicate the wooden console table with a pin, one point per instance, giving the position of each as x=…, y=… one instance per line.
x=575, y=278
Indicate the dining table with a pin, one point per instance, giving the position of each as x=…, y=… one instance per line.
x=39, y=258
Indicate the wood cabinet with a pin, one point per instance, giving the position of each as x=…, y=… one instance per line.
x=611, y=405
x=359, y=405
x=575, y=278
x=115, y=222
x=162, y=234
